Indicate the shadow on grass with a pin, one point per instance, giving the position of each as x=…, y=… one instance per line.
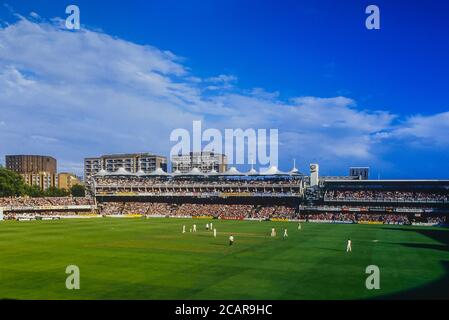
x=442, y=236
x=441, y=247
x=435, y=290
x=438, y=289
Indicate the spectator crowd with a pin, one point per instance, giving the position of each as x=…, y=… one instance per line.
x=238, y=211
x=224, y=211
x=358, y=218
x=378, y=195
x=164, y=181
x=44, y=201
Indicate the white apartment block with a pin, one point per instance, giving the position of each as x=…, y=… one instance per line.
x=204, y=161
x=132, y=162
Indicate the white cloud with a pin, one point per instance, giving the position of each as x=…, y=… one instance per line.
x=427, y=131
x=43, y=139
x=221, y=82
x=86, y=93
x=222, y=78
x=34, y=15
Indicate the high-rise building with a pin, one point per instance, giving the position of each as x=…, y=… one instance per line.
x=36, y=170
x=132, y=162
x=204, y=161
x=31, y=163
x=361, y=172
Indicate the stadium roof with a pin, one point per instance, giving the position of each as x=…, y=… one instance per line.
x=120, y=172
x=194, y=172
x=294, y=170
x=102, y=172
x=233, y=172
x=158, y=172
x=252, y=172
x=273, y=171
x=213, y=172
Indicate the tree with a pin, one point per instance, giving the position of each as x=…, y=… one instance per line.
x=11, y=184
x=56, y=192
x=34, y=191
x=78, y=190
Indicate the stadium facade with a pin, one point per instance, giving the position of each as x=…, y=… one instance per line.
x=269, y=195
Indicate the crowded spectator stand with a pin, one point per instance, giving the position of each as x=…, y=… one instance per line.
x=268, y=195
x=160, y=183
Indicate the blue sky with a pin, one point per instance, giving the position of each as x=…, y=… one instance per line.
x=339, y=94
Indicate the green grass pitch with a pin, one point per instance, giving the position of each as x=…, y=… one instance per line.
x=135, y=258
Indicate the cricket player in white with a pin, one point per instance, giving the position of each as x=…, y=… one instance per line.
x=194, y=228
x=211, y=226
x=273, y=232
x=349, y=246
x=215, y=233
x=285, y=233
x=299, y=226
x=184, y=229
x=231, y=240
x=207, y=226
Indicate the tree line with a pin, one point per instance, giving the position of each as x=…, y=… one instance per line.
x=13, y=185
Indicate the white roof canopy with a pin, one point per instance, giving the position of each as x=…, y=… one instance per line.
x=194, y=172
x=120, y=172
x=213, y=172
x=252, y=172
x=158, y=172
x=294, y=170
x=233, y=172
x=101, y=173
x=273, y=171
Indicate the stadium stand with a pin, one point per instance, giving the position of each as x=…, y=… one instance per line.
x=282, y=197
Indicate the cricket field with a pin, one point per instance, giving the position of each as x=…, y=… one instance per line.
x=137, y=258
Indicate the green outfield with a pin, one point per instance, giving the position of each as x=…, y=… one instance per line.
x=135, y=258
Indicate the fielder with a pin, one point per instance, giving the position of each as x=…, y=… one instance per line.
x=299, y=226
x=231, y=240
x=207, y=226
x=273, y=232
x=215, y=233
x=194, y=228
x=349, y=246
x=285, y=233
x=184, y=229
